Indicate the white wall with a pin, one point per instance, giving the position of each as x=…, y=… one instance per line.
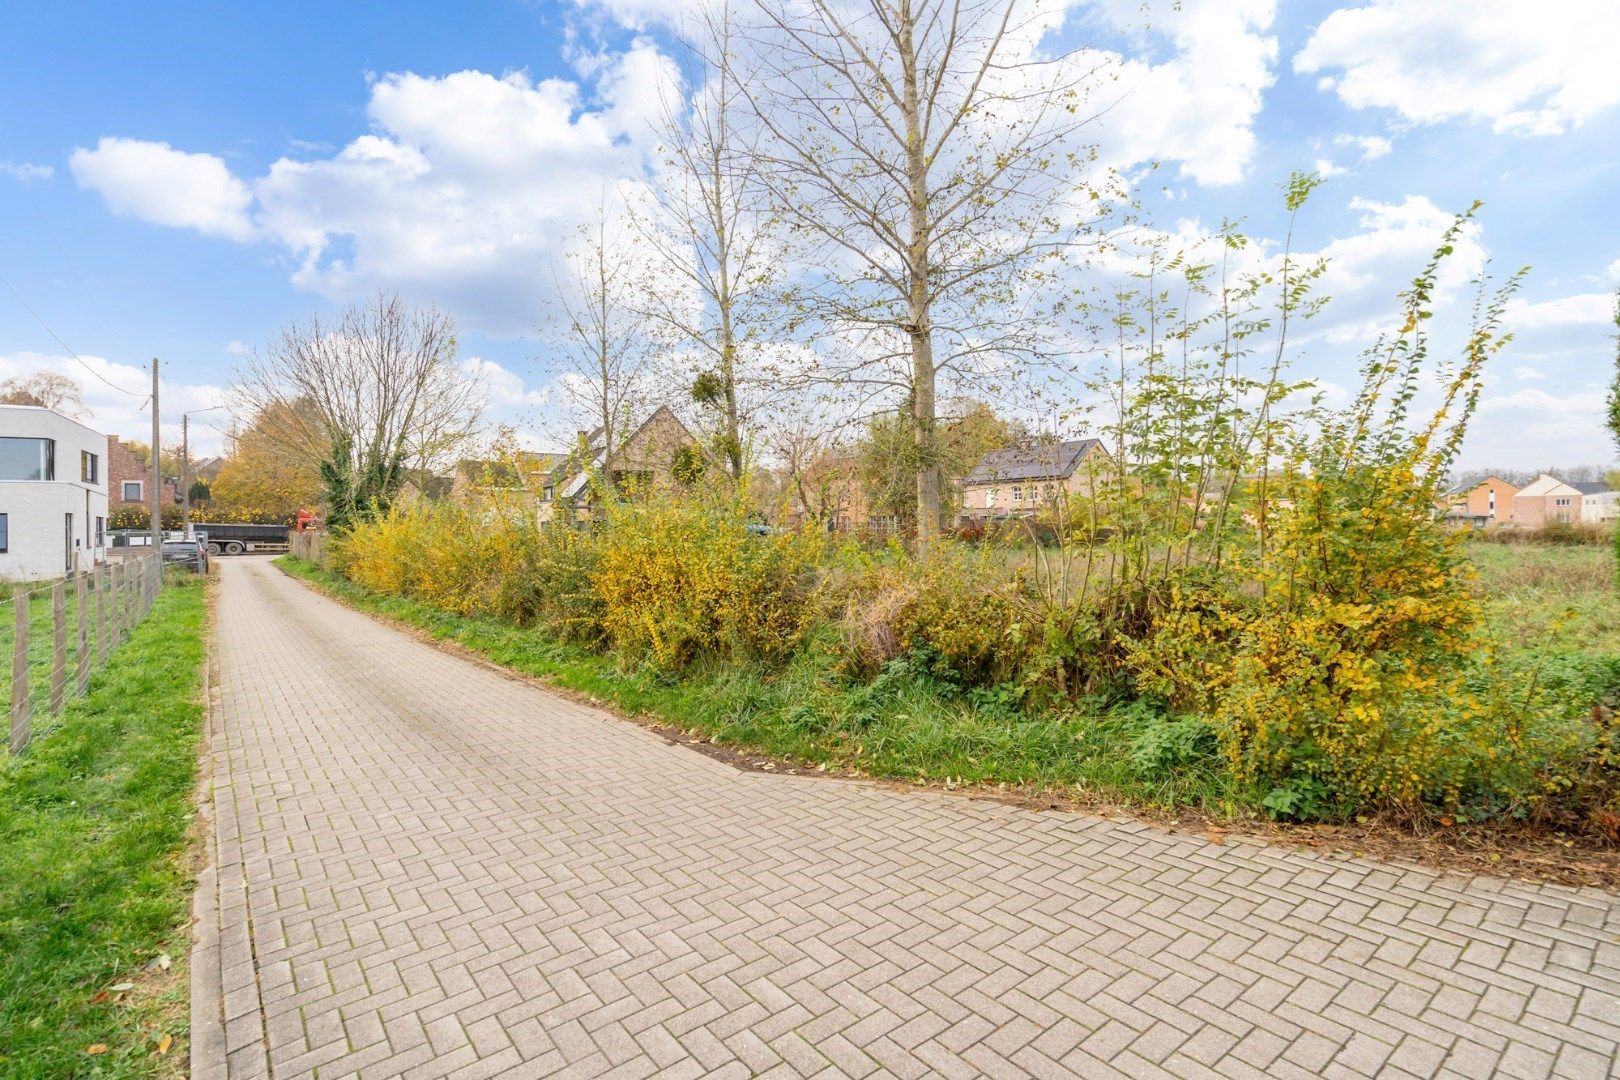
x=1601, y=507
x=36, y=510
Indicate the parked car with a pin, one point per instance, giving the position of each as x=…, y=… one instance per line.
x=188, y=553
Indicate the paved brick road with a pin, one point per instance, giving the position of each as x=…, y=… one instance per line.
x=426, y=869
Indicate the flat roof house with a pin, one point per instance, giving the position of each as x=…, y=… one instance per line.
x=53, y=494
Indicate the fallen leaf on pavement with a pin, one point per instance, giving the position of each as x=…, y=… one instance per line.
x=164, y=1044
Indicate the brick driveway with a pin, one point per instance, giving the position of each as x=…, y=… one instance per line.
x=426, y=869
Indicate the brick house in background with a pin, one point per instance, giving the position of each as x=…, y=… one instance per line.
x=648, y=460
x=1489, y=502
x=1020, y=480
x=128, y=477
x=1546, y=499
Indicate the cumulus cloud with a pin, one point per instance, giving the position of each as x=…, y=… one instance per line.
x=457, y=193
x=1367, y=268
x=1529, y=426
x=1197, y=106
x=1527, y=374
x=157, y=183
x=1514, y=64
x=25, y=171
x=120, y=413
x=1583, y=309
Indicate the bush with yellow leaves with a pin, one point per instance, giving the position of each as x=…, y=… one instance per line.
x=680, y=575
x=1332, y=658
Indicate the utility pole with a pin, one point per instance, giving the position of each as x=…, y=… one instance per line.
x=185, y=466
x=185, y=471
x=157, y=467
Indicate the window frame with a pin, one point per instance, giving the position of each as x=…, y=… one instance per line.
x=47, y=458
x=140, y=491
x=89, y=467
x=5, y=531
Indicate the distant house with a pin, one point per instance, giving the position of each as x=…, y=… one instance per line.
x=525, y=470
x=129, y=479
x=422, y=484
x=1547, y=499
x=648, y=460
x=828, y=491
x=1489, y=502
x=1020, y=480
x=1599, y=502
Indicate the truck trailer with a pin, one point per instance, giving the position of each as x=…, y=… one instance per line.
x=224, y=539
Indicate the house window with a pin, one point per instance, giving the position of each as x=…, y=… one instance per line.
x=101, y=532
x=132, y=491
x=89, y=467
x=1561, y=502
x=27, y=459
x=5, y=533
x=549, y=494
x=1018, y=493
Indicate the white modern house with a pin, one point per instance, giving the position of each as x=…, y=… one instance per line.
x=53, y=494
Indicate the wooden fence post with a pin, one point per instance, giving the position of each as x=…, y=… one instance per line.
x=19, y=670
x=81, y=676
x=103, y=579
x=58, y=645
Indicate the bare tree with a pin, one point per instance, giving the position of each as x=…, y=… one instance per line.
x=602, y=348
x=713, y=231
x=47, y=389
x=932, y=164
x=369, y=394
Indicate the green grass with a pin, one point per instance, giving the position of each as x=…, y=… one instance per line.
x=905, y=726
x=95, y=879
x=1556, y=609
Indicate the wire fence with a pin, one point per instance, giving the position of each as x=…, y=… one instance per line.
x=59, y=633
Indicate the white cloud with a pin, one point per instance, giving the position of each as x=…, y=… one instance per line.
x=237, y=348
x=25, y=171
x=457, y=194
x=124, y=414
x=1528, y=427
x=1327, y=169
x=1583, y=309
x=1524, y=67
x=1197, y=107
x=1367, y=268
x=1372, y=147
x=1527, y=374
x=157, y=183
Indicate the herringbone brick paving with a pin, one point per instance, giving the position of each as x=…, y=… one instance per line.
x=427, y=869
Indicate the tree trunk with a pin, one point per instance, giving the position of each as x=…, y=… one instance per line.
x=920, y=325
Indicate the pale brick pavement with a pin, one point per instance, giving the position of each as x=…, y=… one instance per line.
x=427, y=869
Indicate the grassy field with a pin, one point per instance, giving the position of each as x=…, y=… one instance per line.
x=95, y=880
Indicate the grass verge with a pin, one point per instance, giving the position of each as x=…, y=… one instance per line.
x=95, y=876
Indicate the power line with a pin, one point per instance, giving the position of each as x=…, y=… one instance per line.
x=65, y=345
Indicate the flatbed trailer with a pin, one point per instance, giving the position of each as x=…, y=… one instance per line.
x=232, y=539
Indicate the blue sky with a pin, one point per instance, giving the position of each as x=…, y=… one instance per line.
x=181, y=180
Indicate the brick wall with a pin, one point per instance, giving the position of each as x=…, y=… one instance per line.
x=124, y=465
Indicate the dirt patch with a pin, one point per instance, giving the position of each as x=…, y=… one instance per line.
x=1523, y=853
